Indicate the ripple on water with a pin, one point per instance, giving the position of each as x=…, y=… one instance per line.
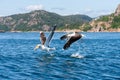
x=92, y=59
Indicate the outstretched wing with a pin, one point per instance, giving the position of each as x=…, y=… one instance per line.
x=42, y=38
x=50, y=36
x=67, y=44
x=72, y=40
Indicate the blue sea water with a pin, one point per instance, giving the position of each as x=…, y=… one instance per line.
x=100, y=57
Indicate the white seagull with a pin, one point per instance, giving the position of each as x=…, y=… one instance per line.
x=45, y=42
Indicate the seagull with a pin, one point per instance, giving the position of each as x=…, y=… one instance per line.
x=45, y=41
x=71, y=38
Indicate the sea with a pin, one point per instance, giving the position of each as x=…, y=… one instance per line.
x=96, y=56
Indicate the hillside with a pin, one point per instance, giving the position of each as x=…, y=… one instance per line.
x=104, y=23
x=41, y=20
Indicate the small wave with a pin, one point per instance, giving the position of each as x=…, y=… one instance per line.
x=77, y=55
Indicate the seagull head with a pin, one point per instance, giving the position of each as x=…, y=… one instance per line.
x=41, y=32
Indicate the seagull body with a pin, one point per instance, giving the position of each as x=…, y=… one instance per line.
x=71, y=38
x=43, y=47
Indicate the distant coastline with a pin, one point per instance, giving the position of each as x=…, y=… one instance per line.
x=2, y=31
x=73, y=30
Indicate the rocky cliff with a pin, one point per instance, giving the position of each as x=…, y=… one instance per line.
x=104, y=23
x=117, y=11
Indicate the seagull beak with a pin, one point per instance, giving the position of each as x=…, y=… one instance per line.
x=37, y=46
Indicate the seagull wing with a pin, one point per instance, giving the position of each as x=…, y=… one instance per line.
x=68, y=43
x=50, y=36
x=66, y=36
x=42, y=38
x=63, y=37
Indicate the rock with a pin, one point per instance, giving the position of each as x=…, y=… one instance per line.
x=45, y=27
x=117, y=12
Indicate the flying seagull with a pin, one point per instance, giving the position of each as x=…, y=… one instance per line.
x=71, y=38
x=46, y=41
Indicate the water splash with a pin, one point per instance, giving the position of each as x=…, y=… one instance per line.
x=77, y=55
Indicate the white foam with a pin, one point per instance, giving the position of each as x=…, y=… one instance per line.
x=77, y=55
x=83, y=35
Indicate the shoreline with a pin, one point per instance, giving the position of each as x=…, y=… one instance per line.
x=112, y=30
x=62, y=31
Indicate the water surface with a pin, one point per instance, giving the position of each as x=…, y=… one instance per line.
x=100, y=57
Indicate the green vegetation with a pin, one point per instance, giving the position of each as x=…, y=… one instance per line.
x=3, y=27
x=36, y=19
x=116, y=22
x=86, y=27
x=104, y=18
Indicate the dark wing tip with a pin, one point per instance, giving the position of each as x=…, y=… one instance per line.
x=63, y=37
x=66, y=46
